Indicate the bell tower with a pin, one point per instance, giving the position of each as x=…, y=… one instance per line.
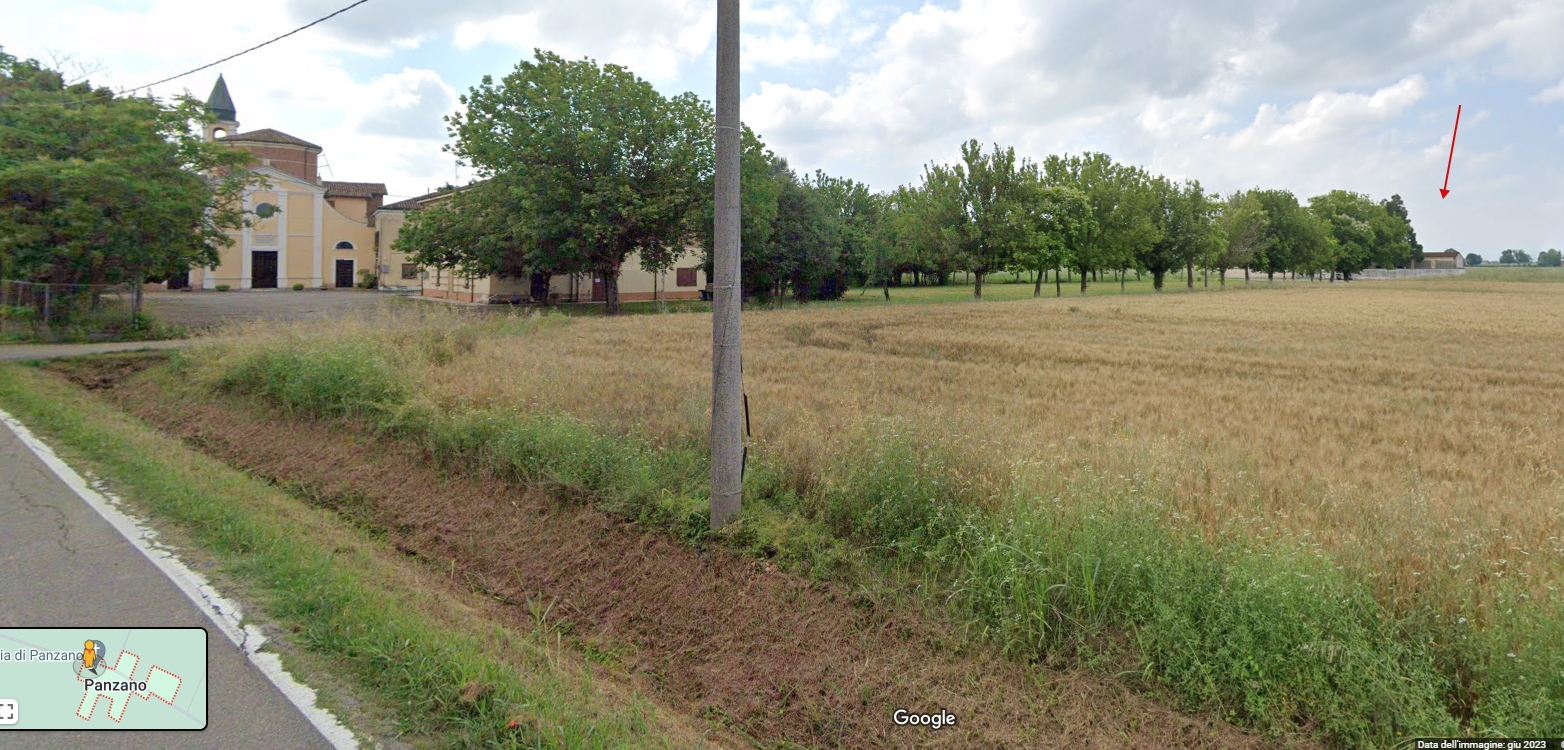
x=221, y=105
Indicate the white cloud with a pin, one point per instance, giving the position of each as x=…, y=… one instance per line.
x=776, y=49
x=411, y=105
x=517, y=30
x=1331, y=114
x=1551, y=94
x=651, y=37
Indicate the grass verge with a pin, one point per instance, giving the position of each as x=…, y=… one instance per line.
x=402, y=642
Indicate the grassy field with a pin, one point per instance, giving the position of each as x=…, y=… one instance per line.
x=1515, y=273
x=1001, y=287
x=1326, y=507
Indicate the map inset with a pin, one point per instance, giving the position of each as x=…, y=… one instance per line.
x=102, y=678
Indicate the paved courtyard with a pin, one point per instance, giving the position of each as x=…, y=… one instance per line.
x=206, y=309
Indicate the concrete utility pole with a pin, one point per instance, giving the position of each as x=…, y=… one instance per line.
x=727, y=388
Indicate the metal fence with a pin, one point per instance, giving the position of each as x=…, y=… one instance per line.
x=29, y=309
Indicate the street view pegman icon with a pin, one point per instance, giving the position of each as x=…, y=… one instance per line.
x=92, y=657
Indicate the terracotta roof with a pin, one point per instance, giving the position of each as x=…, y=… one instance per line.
x=416, y=203
x=354, y=189
x=267, y=135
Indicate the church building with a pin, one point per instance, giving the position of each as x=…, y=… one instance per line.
x=305, y=232
x=309, y=233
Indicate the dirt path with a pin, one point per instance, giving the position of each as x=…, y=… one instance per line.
x=727, y=638
x=22, y=352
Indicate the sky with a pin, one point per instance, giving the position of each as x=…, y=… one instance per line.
x=1306, y=96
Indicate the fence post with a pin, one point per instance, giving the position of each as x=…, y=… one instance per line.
x=46, y=307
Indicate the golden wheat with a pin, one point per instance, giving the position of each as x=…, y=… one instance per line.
x=1409, y=429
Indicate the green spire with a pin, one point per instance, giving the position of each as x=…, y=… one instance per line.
x=219, y=103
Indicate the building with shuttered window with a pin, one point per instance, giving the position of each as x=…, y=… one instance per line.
x=686, y=280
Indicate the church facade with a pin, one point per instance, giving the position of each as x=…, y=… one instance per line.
x=305, y=232
x=309, y=233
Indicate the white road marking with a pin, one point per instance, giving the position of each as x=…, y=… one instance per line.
x=223, y=613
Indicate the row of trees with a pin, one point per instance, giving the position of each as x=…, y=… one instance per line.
x=103, y=189
x=1546, y=258
x=1089, y=216
x=583, y=165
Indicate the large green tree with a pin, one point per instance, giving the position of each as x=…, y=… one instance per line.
x=804, y=243
x=599, y=163
x=1061, y=221
x=993, y=223
x=898, y=237
x=1192, y=230
x=939, y=224
x=1242, y=223
x=1397, y=208
x=1366, y=233
x=1123, y=206
x=1162, y=254
x=474, y=232
x=1295, y=238
x=105, y=189
x=856, y=210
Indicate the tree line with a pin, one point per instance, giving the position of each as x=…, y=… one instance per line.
x=1512, y=257
x=582, y=165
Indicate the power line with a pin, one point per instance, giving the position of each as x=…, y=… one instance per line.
x=252, y=49
x=322, y=19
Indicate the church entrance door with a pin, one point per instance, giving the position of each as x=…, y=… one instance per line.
x=263, y=269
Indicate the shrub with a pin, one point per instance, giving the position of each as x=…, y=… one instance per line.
x=298, y=287
x=339, y=378
x=19, y=313
x=222, y=287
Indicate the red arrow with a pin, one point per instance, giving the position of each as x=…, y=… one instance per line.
x=1445, y=191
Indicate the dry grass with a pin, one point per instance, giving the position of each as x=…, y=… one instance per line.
x=1405, y=429
x=1412, y=431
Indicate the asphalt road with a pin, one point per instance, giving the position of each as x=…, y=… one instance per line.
x=56, y=552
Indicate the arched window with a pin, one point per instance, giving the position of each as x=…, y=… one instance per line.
x=219, y=133
x=345, y=245
x=266, y=210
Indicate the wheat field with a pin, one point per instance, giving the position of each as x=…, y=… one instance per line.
x=1409, y=428
x=1404, y=433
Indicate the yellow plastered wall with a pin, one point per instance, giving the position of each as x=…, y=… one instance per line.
x=293, y=234
x=299, y=216
x=388, y=225
x=356, y=209
x=637, y=284
x=336, y=229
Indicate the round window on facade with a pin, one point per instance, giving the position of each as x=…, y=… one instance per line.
x=267, y=210
x=344, y=245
